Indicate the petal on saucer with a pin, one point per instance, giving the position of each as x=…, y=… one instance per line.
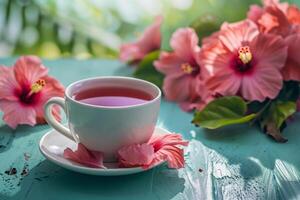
x=167, y=148
x=85, y=157
x=172, y=139
x=172, y=154
x=136, y=155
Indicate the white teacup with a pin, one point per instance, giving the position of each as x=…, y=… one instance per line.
x=105, y=128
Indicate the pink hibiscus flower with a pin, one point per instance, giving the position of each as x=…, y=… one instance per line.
x=242, y=61
x=24, y=88
x=275, y=17
x=291, y=12
x=166, y=148
x=156, y=150
x=148, y=42
x=85, y=157
x=183, y=72
x=281, y=19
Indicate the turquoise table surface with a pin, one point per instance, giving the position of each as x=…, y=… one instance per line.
x=236, y=162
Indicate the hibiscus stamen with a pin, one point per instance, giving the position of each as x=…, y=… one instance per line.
x=245, y=54
x=187, y=68
x=36, y=87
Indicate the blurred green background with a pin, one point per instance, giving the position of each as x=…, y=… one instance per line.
x=96, y=28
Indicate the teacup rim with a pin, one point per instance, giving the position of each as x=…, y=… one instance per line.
x=157, y=97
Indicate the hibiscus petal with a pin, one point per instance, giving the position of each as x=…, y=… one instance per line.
x=168, y=139
x=172, y=154
x=185, y=42
x=199, y=95
x=210, y=40
x=205, y=94
x=266, y=82
x=130, y=52
x=224, y=82
x=192, y=98
x=268, y=22
x=8, y=84
x=169, y=64
x=254, y=13
x=293, y=14
x=85, y=157
x=40, y=119
x=177, y=88
x=16, y=114
x=291, y=71
x=148, y=42
x=53, y=88
x=269, y=51
x=278, y=24
x=29, y=69
x=151, y=38
x=167, y=149
x=235, y=35
x=136, y=155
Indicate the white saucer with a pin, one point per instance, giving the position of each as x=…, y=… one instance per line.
x=53, y=144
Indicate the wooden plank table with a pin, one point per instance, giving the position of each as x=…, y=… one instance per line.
x=232, y=163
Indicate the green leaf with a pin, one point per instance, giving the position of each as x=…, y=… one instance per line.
x=147, y=71
x=280, y=111
x=274, y=118
x=223, y=111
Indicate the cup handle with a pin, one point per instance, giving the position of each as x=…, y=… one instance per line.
x=52, y=121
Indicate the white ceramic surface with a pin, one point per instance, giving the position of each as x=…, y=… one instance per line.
x=104, y=128
x=53, y=144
